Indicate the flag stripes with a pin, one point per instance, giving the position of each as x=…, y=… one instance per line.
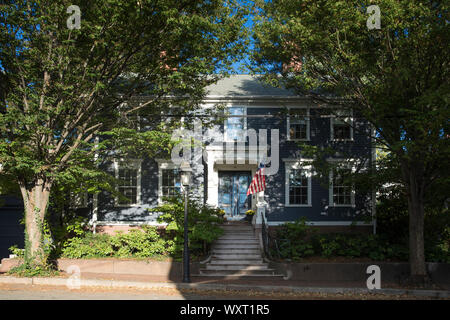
x=258, y=182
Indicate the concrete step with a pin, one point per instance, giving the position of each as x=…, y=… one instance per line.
x=237, y=229
x=236, y=256
x=223, y=273
x=236, y=267
x=237, y=235
x=247, y=262
x=236, y=246
x=236, y=251
x=239, y=241
x=232, y=275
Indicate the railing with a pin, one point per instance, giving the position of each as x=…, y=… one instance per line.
x=269, y=243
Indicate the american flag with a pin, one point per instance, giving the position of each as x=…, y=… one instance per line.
x=259, y=181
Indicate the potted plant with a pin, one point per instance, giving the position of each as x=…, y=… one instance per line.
x=221, y=213
x=249, y=215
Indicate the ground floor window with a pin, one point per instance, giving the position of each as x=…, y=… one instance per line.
x=298, y=184
x=171, y=182
x=129, y=175
x=341, y=188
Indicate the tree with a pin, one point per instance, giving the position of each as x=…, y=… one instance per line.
x=396, y=77
x=61, y=86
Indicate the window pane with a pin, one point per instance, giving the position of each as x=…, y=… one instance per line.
x=298, y=187
x=234, y=125
x=298, y=131
x=341, y=131
x=342, y=188
x=171, y=184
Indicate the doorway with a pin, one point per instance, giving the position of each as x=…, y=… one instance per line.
x=233, y=186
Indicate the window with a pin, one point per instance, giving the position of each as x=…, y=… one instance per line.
x=298, y=124
x=129, y=176
x=298, y=184
x=341, y=126
x=235, y=124
x=171, y=183
x=341, y=189
x=169, y=180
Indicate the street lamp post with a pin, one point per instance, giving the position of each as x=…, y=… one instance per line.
x=186, y=172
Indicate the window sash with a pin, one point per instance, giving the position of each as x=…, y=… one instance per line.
x=171, y=182
x=298, y=187
x=298, y=124
x=342, y=192
x=234, y=126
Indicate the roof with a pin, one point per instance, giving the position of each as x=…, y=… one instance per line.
x=243, y=85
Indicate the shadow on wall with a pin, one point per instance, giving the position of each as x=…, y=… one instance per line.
x=11, y=230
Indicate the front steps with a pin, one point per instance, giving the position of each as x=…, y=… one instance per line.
x=237, y=254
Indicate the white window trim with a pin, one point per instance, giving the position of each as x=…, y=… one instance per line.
x=225, y=136
x=130, y=164
x=330, y=191
x=350, y=122
x=298, y=164
x=308, y=120
x=163, y=165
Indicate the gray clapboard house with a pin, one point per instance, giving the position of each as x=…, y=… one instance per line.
x=230, y=159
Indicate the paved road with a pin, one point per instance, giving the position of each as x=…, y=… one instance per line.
x=41, y=292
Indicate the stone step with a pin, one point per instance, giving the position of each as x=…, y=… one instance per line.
x=237, y=228
x=237, y=273
x=236, y=267
x=236, y=246
x=238, y=235
x=239, y=241
x=248, y=262
x=231, y=275
x=236, y=251
x=236, y=256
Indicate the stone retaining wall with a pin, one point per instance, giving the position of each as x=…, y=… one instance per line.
x=356, y=272
x=116, y=266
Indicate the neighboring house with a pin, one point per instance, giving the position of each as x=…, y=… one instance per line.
x=221, y=179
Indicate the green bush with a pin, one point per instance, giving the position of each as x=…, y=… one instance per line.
x=136, y=243
x=203, y=224
x=149, y=242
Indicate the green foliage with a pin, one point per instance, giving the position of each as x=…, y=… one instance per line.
x=203, y=222
x=292, y=242
x=61, y=88
x=297, y=240
x=25, y=270
x=15, y=250
x=89, y=246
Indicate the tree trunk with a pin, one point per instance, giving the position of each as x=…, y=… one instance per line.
x=418, y=271
x=35, y=200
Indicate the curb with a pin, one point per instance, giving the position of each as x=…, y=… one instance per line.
x=224, y=287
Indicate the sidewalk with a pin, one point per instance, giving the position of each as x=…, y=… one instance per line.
x=210, y=284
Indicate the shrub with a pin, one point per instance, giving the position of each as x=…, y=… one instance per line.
x=203, y=224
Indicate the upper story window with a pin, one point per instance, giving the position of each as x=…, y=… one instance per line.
x=129, y=186
x=235, y=124
x=298, y=124
x=298, y=184
x=342, y=191
x=342, y=125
